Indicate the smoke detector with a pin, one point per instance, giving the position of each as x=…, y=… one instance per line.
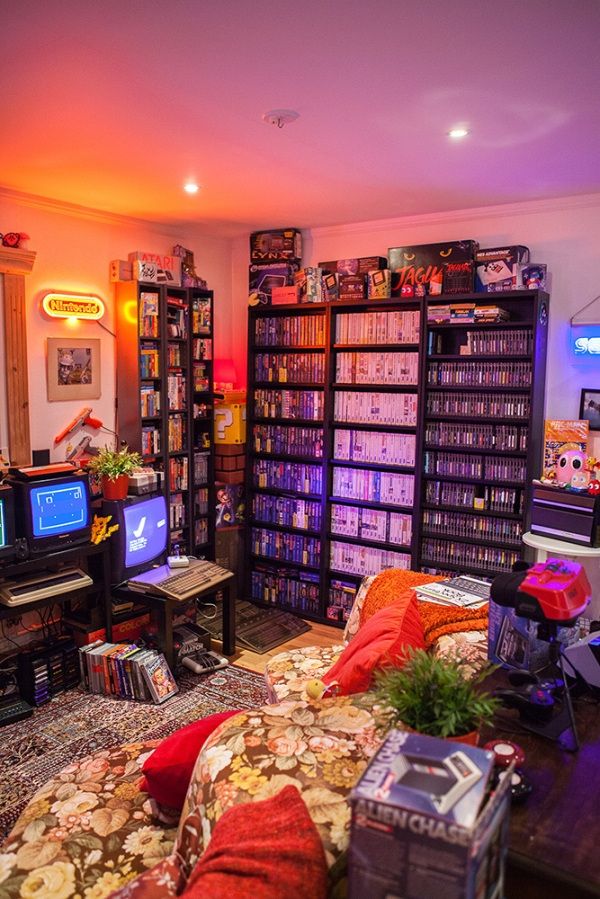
x=280, y=117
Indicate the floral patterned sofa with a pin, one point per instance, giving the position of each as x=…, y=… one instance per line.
x=90, y=829
x=288, y=673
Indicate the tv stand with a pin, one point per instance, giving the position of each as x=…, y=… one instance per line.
x=93, y=556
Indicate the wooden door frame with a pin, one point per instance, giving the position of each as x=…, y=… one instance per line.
x=14, y=265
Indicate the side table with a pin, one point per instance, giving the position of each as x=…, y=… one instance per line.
x=165, y=607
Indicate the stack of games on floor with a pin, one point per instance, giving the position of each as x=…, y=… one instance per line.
x=126, y=671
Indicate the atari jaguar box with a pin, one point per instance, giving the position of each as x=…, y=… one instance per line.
x=427, y=820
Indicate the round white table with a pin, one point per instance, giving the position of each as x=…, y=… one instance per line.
x=548, y=546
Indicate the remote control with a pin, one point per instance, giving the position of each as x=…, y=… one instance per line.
x=178, y=562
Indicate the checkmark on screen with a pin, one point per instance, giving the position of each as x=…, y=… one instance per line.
x=137, y=532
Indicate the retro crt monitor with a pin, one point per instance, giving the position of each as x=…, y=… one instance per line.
x=142, y=537
x=52, y=513
x=7, y=523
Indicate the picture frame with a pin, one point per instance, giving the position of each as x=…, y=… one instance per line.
x=72, y=368
x=589, y=408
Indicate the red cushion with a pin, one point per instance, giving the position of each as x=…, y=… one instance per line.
x=262, y=850
x=381, y=640
x=169, y=769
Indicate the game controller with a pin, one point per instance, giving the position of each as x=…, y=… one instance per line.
x=533, y=701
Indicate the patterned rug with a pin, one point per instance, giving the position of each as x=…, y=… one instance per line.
x=74, y=724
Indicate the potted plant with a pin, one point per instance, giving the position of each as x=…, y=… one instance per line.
x=435, y=695
x=114, y=466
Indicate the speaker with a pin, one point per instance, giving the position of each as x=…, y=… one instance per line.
x=40, y=457
x=21, y=549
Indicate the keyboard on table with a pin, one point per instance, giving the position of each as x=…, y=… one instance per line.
x=189, y=580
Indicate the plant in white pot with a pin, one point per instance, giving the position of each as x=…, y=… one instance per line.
x=113, y=467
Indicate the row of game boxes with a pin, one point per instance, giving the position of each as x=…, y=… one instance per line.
x=126, y=671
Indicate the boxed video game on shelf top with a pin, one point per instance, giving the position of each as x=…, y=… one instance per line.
x=276, y=275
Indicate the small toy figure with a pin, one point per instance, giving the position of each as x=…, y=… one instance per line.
x=570, y=463
x=13, y=239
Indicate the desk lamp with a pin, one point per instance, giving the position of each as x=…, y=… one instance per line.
x=554, y=593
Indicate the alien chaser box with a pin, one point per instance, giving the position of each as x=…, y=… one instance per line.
x=427, y=822
x=424, y=265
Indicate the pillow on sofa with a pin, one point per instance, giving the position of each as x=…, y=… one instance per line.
x=380, y=641
x=268, y=849
x=168, y=771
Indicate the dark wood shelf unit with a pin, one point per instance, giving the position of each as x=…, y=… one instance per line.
x=434, y=343
x=179, y=355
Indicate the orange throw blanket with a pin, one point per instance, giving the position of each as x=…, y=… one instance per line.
x=438, y=620
x=388, y=586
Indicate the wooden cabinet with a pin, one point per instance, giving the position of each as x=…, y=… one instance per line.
x=165, y=399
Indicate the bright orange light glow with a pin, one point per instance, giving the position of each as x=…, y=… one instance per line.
x=130, y=312
x=73, y=306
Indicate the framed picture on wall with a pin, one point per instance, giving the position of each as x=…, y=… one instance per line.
x=72, y=368
x=589, y=408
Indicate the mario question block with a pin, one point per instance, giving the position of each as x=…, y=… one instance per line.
x=230, y=423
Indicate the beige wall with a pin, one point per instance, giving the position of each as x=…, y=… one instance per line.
x=74, y=247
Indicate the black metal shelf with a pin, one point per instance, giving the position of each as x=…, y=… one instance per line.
x=469, y=510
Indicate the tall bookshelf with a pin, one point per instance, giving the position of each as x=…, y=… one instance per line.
x=373, y=437
x=164, y=399
x=380, y=437
x=483, y=432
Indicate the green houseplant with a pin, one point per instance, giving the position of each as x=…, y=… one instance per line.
x=435, y=696
x=114, y=466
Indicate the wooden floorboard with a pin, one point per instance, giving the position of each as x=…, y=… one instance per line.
x=318, y=635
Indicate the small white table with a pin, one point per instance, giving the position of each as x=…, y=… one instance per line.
x=548, y=546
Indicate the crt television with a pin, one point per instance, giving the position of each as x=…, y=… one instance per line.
x=53, y=513
x=141, y=539
x=7, y=523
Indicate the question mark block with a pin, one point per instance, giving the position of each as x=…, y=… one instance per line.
x=230, y=423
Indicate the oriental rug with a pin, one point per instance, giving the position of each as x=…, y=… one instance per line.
x=74, y=724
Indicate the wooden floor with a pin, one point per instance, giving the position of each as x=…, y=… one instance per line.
x=318, y=635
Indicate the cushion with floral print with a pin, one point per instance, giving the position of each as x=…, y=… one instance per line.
x=320, y=747
x=288, y=673
x=86, y=832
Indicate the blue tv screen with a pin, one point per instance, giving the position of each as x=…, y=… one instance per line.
x=60, y=508
x=146, y=531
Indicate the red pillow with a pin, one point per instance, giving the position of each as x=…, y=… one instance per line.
x=269, y=849
x=380, y=641
x=169, y=769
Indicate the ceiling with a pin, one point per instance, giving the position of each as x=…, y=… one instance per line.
x=114, y=105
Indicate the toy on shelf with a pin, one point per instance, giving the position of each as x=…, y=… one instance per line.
x=189, y=277
x=13, y=239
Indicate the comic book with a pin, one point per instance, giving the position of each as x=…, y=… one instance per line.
x=561, y=435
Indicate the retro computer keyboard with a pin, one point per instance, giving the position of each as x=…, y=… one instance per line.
x=184, y=583
x=44, y=584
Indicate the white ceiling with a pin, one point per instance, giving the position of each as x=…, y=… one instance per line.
x=114, y=105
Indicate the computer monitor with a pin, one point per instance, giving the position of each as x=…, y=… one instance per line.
x=142, y=536
x=52, y=513
x=7, y=523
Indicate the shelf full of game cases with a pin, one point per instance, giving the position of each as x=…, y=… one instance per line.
x=165, y=399
x=383, y=434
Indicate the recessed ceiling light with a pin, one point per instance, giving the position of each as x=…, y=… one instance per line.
x=191, y=187
x=457, y=133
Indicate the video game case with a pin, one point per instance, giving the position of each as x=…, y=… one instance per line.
x=159, y=678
